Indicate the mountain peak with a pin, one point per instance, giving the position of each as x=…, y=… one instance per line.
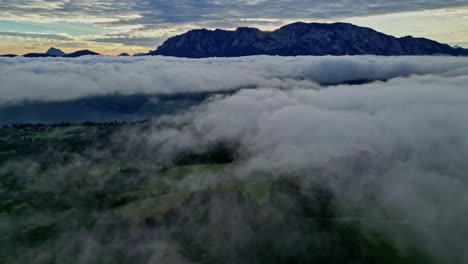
x=298, y=39
x=246, y=29
x=80, y=53
x=55, y=52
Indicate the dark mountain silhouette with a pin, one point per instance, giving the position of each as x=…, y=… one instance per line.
x=9, y=55
x=124, y=55
x=80, y=53
x=299, y=39
x=142, y=54
x=55, y=52
x=37, y=55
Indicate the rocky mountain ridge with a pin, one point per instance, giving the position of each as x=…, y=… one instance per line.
x=299, y=39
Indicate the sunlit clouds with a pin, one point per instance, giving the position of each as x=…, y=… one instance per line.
x=111, y=27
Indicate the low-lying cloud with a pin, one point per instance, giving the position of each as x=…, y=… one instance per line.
x=393, y=153
x=55, y=79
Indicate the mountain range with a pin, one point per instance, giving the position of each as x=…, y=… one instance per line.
x=299, y=39
x=290, y=40
x=53, y=52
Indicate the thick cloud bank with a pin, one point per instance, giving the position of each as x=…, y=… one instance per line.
x=68, y=79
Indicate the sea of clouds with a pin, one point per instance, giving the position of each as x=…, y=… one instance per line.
x=58, y=79
x=400, y=135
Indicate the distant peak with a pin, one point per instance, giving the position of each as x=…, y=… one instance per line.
x=80, y=53
x=298, y=23
x=247, y=29
x=55, y=52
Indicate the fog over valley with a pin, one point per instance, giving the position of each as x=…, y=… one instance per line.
x=261, y=159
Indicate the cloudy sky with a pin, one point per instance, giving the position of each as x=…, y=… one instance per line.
x=112, y=26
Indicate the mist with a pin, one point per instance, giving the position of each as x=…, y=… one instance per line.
x=61, y=79
x=383, y=139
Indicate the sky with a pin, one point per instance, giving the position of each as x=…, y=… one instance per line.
x=114, y=26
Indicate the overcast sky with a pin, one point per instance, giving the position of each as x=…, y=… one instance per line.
x=114, y=26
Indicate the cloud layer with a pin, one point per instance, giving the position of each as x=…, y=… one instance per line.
x=181, y=11
x=393, y=153
x=139, y=25
x=68, y=79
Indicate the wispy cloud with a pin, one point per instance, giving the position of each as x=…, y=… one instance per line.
x=183, y=11
x=32, y=35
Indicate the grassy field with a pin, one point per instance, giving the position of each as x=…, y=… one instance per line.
x=59, y=133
